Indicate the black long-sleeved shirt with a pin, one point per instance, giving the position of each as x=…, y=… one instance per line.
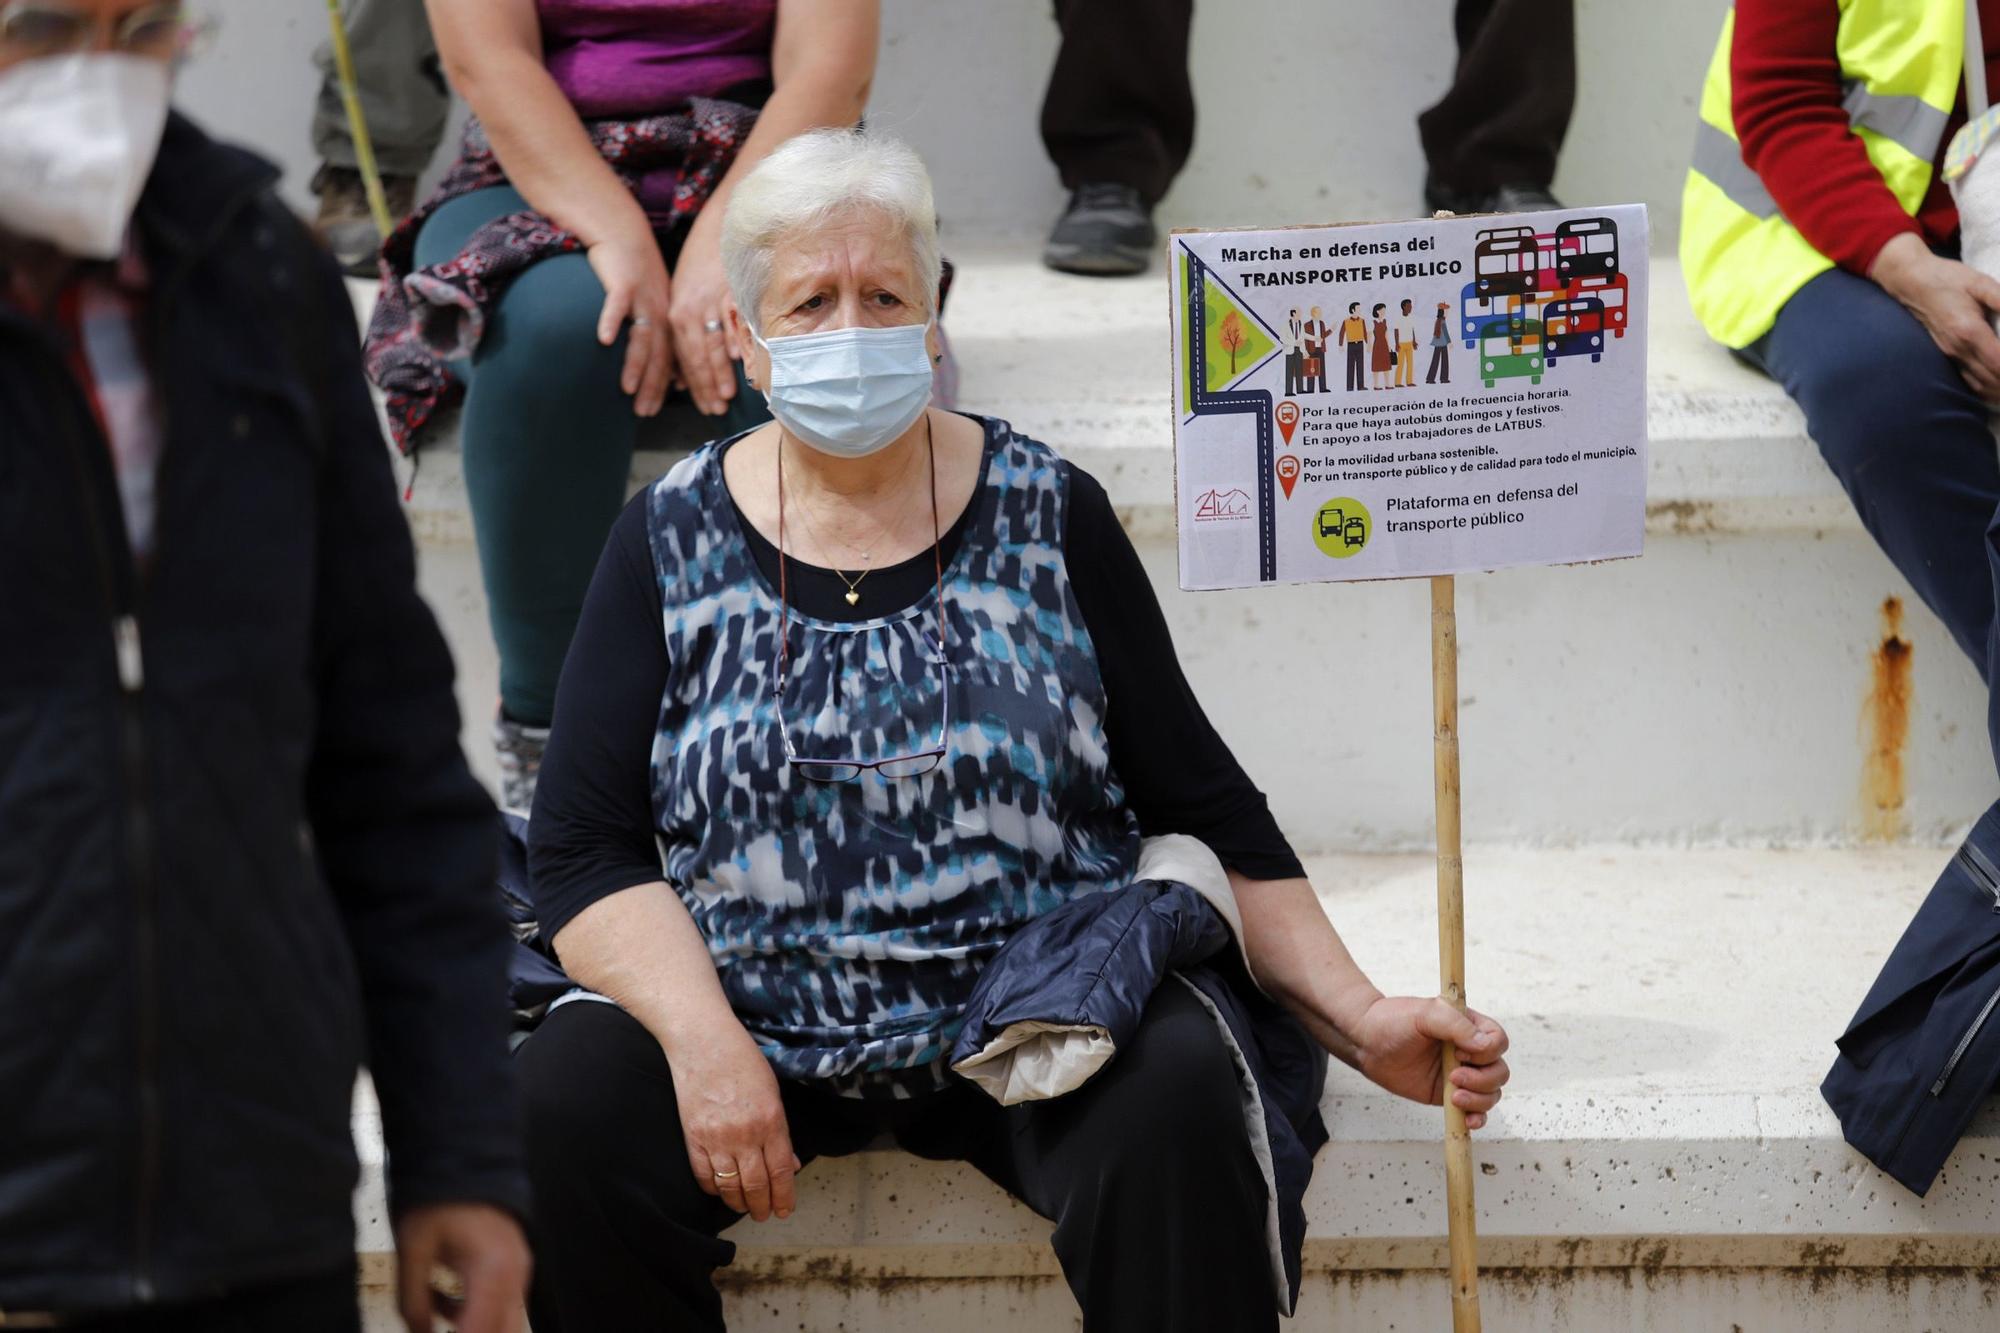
x=593, y=829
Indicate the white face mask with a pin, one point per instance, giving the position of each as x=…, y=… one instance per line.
x=849, y=392
x=78, y=134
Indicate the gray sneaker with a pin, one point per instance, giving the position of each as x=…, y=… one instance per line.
x=1107, y=230
x=344, y=223
x=518, y=749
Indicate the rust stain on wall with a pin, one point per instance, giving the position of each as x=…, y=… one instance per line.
x=1885, y=723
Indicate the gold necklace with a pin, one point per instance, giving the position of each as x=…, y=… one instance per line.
x=853, y=594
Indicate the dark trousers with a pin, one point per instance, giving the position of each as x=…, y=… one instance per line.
x=1317, y=354
x=1295, y=373
x=1908, y=440
x=1503, y=119
x=1120, y=103
x=1356, y=372
x=1146, y=1171
x=324, y=1304
x=1440, y=371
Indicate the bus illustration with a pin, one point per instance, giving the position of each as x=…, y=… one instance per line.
x=1573, y=328
x=1506, y=263
x=1475, y=311
x=1611, y=292
x=1336, y=522
x=1594, y=252
x=1506, y=352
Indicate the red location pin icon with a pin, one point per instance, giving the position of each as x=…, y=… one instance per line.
x=1287, y=413
x=1288, y=471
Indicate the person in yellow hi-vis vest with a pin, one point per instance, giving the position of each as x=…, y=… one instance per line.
x=1819, y=243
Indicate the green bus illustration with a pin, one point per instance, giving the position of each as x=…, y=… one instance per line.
x=1510, y=350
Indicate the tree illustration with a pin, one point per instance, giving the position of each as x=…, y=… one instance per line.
x=1232, y=337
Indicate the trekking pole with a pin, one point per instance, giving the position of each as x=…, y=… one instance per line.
x=357, y=124
x=1460, y=1215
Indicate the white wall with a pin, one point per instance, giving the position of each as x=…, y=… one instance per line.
x=963, y=80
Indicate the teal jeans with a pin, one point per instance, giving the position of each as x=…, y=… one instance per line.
x=547, y=437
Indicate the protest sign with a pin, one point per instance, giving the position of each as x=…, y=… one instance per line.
x=1404, y=399
x=1306, y=449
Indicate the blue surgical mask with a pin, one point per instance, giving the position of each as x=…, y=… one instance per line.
x=849, y=392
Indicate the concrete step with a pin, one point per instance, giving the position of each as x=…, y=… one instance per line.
x=1730, y=686
x=1663, y=1161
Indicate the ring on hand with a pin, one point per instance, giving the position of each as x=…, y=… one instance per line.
x=713, y=326
x=642, y=322
x=727, y=1175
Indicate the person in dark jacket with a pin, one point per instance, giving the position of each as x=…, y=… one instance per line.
x=240, y=850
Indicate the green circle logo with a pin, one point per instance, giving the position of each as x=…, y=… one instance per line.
x=1341, y=527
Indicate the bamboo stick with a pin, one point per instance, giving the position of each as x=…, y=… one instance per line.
x=1451, y=950
x=357, y=124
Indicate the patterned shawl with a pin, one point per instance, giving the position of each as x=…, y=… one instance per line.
x=425, y=317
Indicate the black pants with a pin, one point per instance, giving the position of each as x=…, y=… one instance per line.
x=1503, y=119
x=324, y=1304
x=1120, y=104
x=1357, y=374
x=1440, y=366
x=1146, y=1171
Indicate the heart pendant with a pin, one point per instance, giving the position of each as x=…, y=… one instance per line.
x=852, y=597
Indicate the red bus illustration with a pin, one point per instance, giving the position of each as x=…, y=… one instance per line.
x=1611, y=291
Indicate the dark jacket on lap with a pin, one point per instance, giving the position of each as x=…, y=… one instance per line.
x=1072, y=985
x=1918, y=1059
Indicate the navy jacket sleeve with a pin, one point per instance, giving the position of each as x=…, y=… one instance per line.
x=592, y=830
x=1179, y=775
x=406, y=837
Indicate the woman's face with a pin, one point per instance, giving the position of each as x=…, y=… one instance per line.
x=854, y=270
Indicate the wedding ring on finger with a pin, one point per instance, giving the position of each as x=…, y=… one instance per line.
x=712, y=326
x=642, y=322
x=726, y=1175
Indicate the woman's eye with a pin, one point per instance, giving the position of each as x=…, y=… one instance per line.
x=813, y=303
x=886, y=298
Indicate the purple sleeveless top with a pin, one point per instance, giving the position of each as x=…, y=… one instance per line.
x=642, y=57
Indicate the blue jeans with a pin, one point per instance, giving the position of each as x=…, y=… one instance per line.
x=1906, y=437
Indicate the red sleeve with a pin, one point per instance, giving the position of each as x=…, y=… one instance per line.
x=1785, y=77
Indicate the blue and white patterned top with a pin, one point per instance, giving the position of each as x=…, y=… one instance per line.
x=848, y=921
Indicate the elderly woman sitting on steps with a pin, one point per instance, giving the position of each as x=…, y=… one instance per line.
x=886, y=684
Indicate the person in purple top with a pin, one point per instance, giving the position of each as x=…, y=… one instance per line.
x=618, y=128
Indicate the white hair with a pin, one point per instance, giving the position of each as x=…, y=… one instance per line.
x=819, y=175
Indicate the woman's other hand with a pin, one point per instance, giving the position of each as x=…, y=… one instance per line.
x=1399, y=1043
x=1954, y=302
x=738, y=1141
x=627, y=262
x=700, y=296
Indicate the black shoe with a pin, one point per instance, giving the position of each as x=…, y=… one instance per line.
x=1106, y=230
x=1505, y=199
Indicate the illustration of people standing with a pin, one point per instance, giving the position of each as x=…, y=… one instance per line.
x=1353, y=336
x=1440, y=371
x=1295, y=354
x=1316, y=331
x=1406, y=347
x=1381, y=359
